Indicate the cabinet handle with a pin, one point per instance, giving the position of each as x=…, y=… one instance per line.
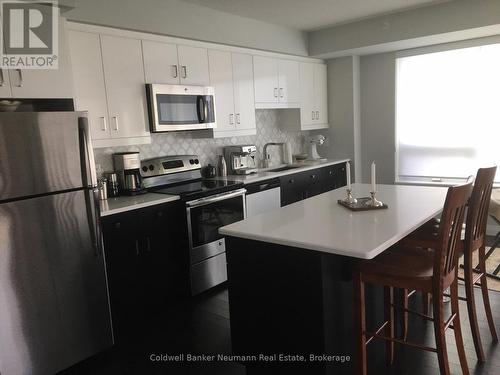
x=137, y=247
x=281, y=92
x=148, y=243
x=185, y=72
x=313, y=176
x=2, y=78
x=175, y=71
x=231, y=119
x=312, y=115
x=238, y=118
x=330, y=173
x=291, y=181
x=317, y=115
x=115, y=120
x=104, y=126
x=20, y=78
x=275, y=92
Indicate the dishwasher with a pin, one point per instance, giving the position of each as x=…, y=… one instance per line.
x=263, y=196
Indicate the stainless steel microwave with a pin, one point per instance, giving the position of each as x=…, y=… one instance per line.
x=177, y=107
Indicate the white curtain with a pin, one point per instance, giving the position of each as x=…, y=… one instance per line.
x=448, y=113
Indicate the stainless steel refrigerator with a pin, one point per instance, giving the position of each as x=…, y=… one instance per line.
x=54, y=306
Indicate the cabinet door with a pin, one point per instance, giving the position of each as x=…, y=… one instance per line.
x=221, y=78
x=265, y=79
x=88, y=78
x=160, y=62
x=124, y=79
x=193, y=65
x=45, y=83
x=244, y=99
x=341, y=175
x=293, y=188
x=289, y=86
x=5, y=91
x=307, y=105
x=313, y=183
x=320, y=95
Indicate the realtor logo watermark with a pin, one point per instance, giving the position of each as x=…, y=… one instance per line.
x=29, y=37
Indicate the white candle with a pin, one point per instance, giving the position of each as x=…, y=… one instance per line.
x=348, y=167
x=373, y=177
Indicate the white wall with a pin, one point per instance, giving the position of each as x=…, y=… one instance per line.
x=446, y=22
x=176, y=18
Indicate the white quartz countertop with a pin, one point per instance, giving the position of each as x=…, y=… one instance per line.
x=321, y=224
x=265, y=174
x=116, y=205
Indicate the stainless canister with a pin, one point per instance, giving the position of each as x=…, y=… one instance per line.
x=222, y=166
x=112, y=184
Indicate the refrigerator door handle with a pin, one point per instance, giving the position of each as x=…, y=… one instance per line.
x=88, y=162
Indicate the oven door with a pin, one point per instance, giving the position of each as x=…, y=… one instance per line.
x=206, y=215
x=175, y=107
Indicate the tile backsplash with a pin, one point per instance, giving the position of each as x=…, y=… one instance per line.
x=179, y=143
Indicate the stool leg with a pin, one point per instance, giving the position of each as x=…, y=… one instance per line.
x=404, y=320
x=437, y=309
x=360, y=323
x=457, y=327
x=486, y=297
x=426, y=303
x=389, y=317
x=471, y=305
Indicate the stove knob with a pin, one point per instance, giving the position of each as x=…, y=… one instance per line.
x=144, y=169
x=151, y=167
x=191, y=161
x=196, y=161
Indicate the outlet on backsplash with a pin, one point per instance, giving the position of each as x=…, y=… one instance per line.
x=177, y=143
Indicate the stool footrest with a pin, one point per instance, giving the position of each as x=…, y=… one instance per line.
x=404, y=342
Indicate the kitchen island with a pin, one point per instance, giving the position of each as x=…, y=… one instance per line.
x=289, y=275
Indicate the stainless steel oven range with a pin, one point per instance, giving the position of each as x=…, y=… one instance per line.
x=210, y=204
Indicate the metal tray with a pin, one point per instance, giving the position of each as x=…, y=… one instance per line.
x=361, y=205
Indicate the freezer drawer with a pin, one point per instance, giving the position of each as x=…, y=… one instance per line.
x=208, y=273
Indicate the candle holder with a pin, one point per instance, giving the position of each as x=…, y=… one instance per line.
x=350, y=199
x=374, y=202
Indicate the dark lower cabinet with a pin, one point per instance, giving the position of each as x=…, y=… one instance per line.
x=146, y=261
x=302, y=185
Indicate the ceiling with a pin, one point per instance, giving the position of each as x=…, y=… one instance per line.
x=310, y=14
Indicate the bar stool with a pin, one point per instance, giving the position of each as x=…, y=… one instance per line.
x=413, y=269
x=475, y=240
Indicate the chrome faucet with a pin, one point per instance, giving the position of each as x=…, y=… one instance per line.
x=267, y=157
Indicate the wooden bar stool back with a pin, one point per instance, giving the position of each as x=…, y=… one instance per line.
x=412, y=269
x=475, y=240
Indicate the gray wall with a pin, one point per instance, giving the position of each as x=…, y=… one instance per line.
x=451, y=17
x=176, y=18
x=378, y=105
x=341, y=110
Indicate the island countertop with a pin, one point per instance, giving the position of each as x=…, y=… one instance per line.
x=321, y=224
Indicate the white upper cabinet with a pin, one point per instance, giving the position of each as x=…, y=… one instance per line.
x=160, y=62
x=289, y=83
x=221, y=78
x=5, y=91
x=193, y=65
x=308, y=105
x=313, y=96
x=88, y=78
x=170, y=63
x=244, y=99
x=125, y=90
x=265, y=79
x=231, y=75
x=277, y=83
x=44, y=83
x=320, y=88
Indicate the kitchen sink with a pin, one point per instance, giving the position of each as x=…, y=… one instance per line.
x=285, y=168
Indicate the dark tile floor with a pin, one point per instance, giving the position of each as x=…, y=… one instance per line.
x=201, y=325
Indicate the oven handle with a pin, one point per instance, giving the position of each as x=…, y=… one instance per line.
x=215, y=198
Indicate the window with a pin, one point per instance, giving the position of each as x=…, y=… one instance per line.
x=447, y=114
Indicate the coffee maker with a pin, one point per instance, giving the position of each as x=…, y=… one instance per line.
x=127, y=167
x=241, y=159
